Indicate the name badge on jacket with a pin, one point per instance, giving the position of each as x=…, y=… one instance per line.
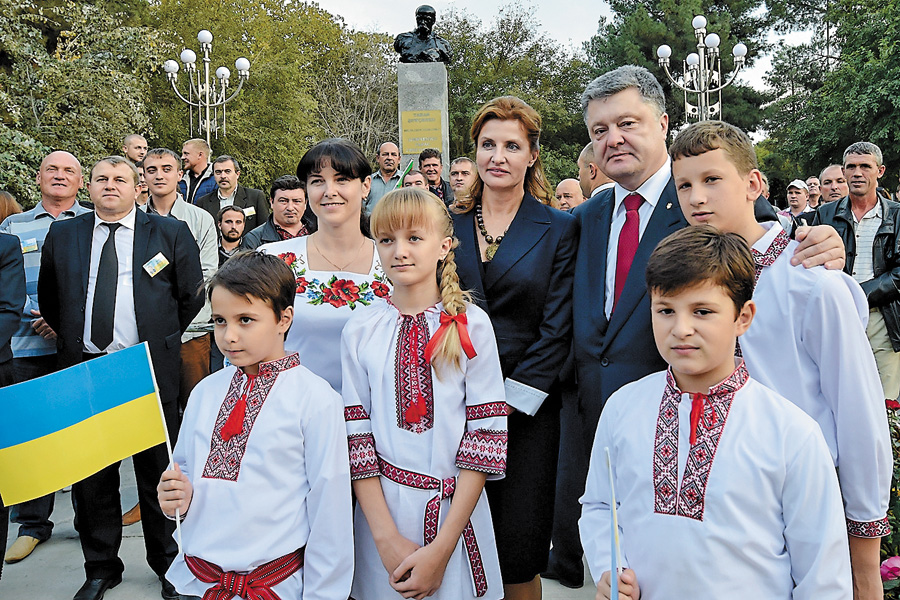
x=29, y=245
x=156, y=264
x=249, y=211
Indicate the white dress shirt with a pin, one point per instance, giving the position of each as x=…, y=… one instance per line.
x=650, y=191
x=125, y=333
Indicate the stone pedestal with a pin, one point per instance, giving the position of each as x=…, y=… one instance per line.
x=422, y=100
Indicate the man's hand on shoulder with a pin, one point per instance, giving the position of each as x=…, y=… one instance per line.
x=819, y=245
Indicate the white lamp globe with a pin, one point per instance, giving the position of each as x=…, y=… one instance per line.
x=713, y=40
x=204, y=37
x=170, y=66
x=739, y=50
x=242, y=64
x=188, y=56
x=699, y=22
x=664, y=51
x=223, y=73
x=693, y=59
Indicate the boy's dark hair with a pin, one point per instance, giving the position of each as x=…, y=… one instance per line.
x=707, y=136
x=703, y=254
x=342, y=155
x=253, y=274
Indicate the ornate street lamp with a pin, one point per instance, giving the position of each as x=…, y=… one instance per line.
x=703, y=72
x=203, y=94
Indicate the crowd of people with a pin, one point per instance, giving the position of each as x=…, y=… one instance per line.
x=367, y=346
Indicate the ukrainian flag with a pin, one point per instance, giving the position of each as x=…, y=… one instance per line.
x=59, y=429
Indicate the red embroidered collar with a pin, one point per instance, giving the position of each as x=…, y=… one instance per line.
x=726, y=387
x=274, y=367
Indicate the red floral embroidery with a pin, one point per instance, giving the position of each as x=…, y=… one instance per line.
x=289, y=258
x=302, y=284
x=892, y=404
x=381, y=289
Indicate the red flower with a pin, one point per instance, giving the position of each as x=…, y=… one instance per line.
x=380, y=289
x=289, y=258
x=332, y=298
x=302, y=284
x=892, y=404
x=346, y=290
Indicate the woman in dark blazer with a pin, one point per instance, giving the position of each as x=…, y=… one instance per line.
x=517, y=255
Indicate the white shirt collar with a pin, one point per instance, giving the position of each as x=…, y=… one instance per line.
x=126, y=221
x=650, y=190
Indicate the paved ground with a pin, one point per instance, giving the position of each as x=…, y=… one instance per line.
x=54, y=571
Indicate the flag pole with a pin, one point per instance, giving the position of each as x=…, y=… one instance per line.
x=616, y=548
x=162, y=415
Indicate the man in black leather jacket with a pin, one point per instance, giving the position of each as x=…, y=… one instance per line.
x=868, y=224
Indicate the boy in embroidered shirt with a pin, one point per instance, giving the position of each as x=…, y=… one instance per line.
x=820, y=361
x=742, y=501
x=261, y=478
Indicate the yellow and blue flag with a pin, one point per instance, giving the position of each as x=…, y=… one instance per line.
x=61, y=428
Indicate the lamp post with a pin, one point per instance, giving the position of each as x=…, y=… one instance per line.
x=703, y=72
x=203, y=94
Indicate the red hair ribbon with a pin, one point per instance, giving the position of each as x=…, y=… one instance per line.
x=464, y=340
x=697, y=413
x=234, y=424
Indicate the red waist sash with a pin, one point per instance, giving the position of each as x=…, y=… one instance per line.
x=446, y=488
x=255, y=585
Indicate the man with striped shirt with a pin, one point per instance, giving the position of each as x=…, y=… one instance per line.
x=869, y=225
x=34, y=343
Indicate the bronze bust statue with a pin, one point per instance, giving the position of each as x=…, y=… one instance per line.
x=422, y=45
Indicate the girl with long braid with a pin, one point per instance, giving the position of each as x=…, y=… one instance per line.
x=426, y=417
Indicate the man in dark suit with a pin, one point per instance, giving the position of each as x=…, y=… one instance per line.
x=227, y=170
x=89, y=290
x=12, y=301
x=624, y=111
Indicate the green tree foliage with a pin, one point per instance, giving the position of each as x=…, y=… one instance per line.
x=357, y=96
x=273, y=122
x=511, y=56
x=858, y=99
x=639, y=27
x=73, y=77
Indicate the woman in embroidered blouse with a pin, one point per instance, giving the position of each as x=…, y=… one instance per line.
x=337, y=268
x=517, y=254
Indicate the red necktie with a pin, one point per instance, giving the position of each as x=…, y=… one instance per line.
x=628, y=242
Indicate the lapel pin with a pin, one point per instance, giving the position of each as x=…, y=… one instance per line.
x=668, y=206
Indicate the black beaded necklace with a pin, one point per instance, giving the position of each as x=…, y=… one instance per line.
x=493, y=244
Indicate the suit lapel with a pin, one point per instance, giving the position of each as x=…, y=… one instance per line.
x=240, y=196
x=85, y=241
x=142, y=228
x=666, y=219
x=468, y=256
x=600, y=246
x=525, y=231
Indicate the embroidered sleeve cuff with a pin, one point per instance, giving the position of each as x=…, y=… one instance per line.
x=523, y=397
x=483, y=450
x=871, y=529
x=355, y=413
x=485, y=411
x=363, y=459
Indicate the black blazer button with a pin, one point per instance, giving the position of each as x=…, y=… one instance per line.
x=78, y=340
x=604, y=362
